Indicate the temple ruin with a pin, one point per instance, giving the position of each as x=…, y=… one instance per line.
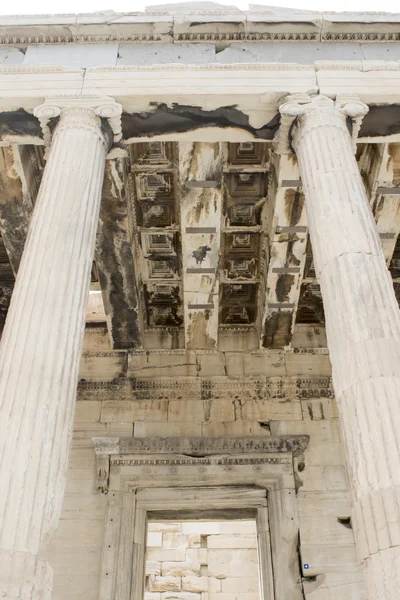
x=199, y=305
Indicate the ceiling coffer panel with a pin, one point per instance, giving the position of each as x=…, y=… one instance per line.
x=156, y=235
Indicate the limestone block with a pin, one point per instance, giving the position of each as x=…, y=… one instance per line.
x=198, y=555
x=309, y=336
x=87, y=411
x=180, y=596
x=234, y=569
x=319, y=515
x=305, y=364
x=267, y=410
x=238, y=527
x=74, y=535
x=175, y=540
x=154, y=539
x=136, y=410
x=202, y=527
x=338, y=586
x=83, y=506
x=231, y=541
x=81, y=458
x=234, y=428
x=219, y=410
x=161, y=555
x=290, y=52
x=83, y=561
x=180, y=363
x=162, y=429
x=211, y=364
x=228, y=556
x=84, y=432
x=320, y=478
x=81, y=481
x=164, y=527
x=319, y=431
x=186, y=410
x=328, y=559
x=325, y=453
x=153, y=567
x=164, y=53
x=319, y=408
x=164, y=584
x=194, y=540
x=182, y=569
x=120, y=429
x=237, y=596
x=214, y=585
x=83, y=586
x=11, y=56
x=79, y=56
x=195, y=584
x=96, y=338
x=152, y=596
x=252, y=364
x=240, y=585
x=102, y=367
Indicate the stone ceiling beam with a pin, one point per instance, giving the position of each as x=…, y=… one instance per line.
x=114, y=259
x=20, y=175
x=201, y=206
x=288, y=240
x=385, y=194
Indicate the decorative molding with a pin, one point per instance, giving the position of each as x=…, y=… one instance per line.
x=209, y=67
x=32, y=69
x=22, y=40
x=102, y=472
x=290, y=388
x=175, y=452
x=358, y=36
x=201, y=446
x=234, y=36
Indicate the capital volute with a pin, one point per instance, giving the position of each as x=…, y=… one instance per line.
x=321, y=110
x=80, y=110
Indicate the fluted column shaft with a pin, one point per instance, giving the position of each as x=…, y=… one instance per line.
x=363, y=331
x=40, y=351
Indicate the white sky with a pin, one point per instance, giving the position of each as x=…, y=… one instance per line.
x=74, y=6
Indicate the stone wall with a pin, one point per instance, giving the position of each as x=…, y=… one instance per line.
x=177, y=400
x=202, y=561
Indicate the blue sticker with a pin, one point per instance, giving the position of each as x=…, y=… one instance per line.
x=306, y=566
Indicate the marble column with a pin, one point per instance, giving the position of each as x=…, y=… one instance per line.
x=42, y=341
x=362, y=321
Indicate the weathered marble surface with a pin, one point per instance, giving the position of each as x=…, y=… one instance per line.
x=41, y=347
x=363, y=327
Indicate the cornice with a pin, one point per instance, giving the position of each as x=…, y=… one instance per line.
x=220, y=25
x=273, y=66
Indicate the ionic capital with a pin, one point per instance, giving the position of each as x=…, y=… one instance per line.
x=80, y=111
x=301, y=112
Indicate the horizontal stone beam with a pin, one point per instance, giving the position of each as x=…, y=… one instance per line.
x=114, y=260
